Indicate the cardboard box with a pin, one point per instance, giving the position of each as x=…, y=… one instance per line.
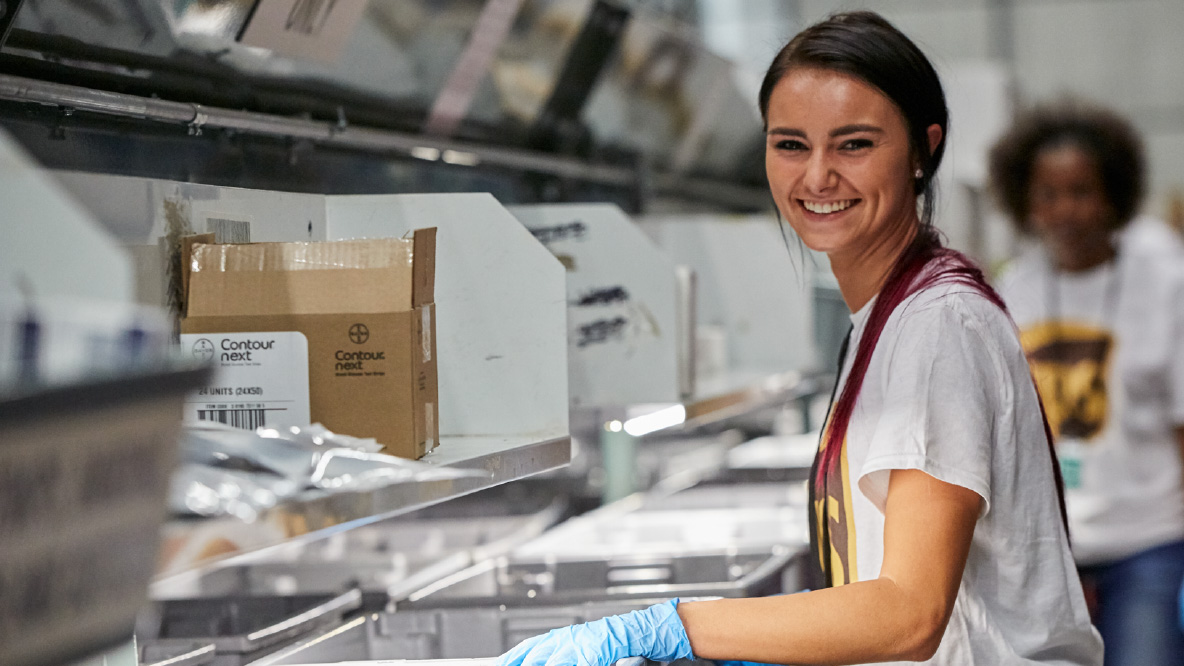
x=366, y=309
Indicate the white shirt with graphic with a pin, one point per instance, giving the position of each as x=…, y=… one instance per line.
x=948, y=392
x=1107, y=348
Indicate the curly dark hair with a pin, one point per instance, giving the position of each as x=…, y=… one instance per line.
x=1107, y=137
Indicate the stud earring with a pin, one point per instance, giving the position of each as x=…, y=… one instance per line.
x=918, y=174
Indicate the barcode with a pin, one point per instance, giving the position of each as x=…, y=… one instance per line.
x=238, y=418
x=226, y=230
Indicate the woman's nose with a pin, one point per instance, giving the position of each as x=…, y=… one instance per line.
x=820, y=175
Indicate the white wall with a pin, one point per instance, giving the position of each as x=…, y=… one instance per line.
x=52, y=246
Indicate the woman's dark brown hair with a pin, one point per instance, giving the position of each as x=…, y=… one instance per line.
x=1105, y=136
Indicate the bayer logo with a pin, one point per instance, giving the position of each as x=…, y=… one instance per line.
x=359, y=334
x=203, y=350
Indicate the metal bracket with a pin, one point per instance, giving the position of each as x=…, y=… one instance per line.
x=199, y=118
x=58, y=131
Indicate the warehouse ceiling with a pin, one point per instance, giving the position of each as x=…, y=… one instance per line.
x=587, y=78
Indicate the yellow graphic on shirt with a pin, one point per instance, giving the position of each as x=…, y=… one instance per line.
x=1070, y=362
x=835, y=520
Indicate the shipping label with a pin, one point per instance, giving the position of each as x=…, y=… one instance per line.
x=261, y=379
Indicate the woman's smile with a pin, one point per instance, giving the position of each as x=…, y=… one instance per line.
x=825, y=208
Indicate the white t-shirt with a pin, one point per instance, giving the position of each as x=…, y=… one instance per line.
x=948, y=392
x=1151, y=235
x=1107, y=348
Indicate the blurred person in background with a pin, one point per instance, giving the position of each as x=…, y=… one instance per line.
x=1100, y=307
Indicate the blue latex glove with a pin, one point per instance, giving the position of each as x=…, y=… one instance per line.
x=654, y=633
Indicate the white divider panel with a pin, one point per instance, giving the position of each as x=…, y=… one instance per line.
x=751, y=288
x=500, y=309
x=49, y=245
x=135, y=211
x=622, y=328
x=134, y=208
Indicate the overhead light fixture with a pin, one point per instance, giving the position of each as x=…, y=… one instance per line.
x=426, y=153
x=667, y=417
x=461, y=158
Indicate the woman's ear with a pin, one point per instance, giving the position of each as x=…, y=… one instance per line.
x=935, y=137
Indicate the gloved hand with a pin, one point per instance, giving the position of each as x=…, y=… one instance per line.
x=654, y=633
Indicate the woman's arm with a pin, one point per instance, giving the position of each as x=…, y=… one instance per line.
x=901, y=615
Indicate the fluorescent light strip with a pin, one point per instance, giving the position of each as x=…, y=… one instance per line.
x=663, y=418
x=426, y=153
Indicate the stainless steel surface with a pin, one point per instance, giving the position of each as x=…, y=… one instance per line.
x=740, y=497
x=631, y=550
x=394, y=557
x=622, y=530
x=304, y=621
x=239, y=629
x=564, y=578
x=505, y=459
x=742, y=393
x=458, y=633
x=784, y=451
x=694, y=449
x=733, y=395
x=687, y=291
x=195, y=657
x=680, y=462
x=421, y=662
x=245, y=625
x=784, y=459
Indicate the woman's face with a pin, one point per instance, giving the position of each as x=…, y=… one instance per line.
x=1068, y=208
x=839, y=163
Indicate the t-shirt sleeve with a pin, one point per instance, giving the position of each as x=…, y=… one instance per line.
x=944, y=385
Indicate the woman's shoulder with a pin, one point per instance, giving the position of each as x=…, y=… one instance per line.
x=954, y=320
x=954, y=303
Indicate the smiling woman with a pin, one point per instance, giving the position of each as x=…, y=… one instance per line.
x=841, y=167
x=936, y=517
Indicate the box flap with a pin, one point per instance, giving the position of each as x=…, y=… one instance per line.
x=301, y=278
x=306, y=256
x=423, y=290
x=187, y=245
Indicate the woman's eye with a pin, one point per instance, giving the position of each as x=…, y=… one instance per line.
x=856, y=144
x=790, y=144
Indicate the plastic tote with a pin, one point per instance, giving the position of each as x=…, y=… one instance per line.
x=83, y=475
